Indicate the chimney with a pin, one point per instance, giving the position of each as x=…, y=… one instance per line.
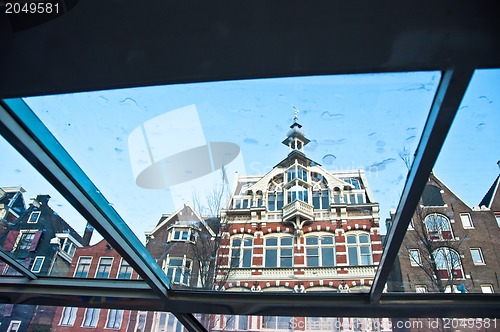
x=87, y=234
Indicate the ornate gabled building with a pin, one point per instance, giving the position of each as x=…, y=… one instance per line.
x=44, y=243
x=299, y=228
x=11, y=206
x=449, y=246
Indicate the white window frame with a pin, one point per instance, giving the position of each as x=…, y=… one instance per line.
x=94, y=319
x=115, y=322
x=13, y=328
x=420, y=289
x=185, y=271
x=279, y=248
x=126, y=265
x=110, y=265
x=415, y=253
x=141, y=320
x=448, y=252
x=481, y=257
x=69, y=247
x=320, y=246
x=38, y=213
x=358, y=246
x=277, y=323
x=190, y=231
x=22, y=234
x=68, y=316
x=42, y=258
x=438, y=232
x=497, y=217
x=79, y=264
x=466, y=220
x=487, y=289
x=244, y=250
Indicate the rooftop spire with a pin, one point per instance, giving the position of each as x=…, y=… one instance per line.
x=295, y=136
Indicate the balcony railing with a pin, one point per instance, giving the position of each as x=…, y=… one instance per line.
x=301, y=273
x=298, y=208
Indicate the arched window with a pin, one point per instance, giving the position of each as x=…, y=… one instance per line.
x=359, y=249
x=438, y=227
x=279, y=251
x=432, y=196
x=448, y=263
x=320, y=250
x=241, y=251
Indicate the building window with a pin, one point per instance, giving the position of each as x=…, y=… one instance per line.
x=438, y=227
x=420, y=289
x=276, y=322
x=34, y=217
x=233, y=322
x=279, y=252
x=125, y=271
x=184, y=234
x=432, y=196
x=415, y=259
x=497, y=217
x=322, y=324
x=447, y=263
x=241, y=252
x=354, y=182
x=487, y=289
x=141, y=321
x=466, y=220
x=321, y=199
x=477, y=256
x=83, y=267
x=320, y=250
x=91, y=317
x=69, y=247
x=178, y=270
x=68, y=316
x=27, y=240
x=37, y=264
x=115, y=317
x=359, y=250
x=104, y=267
x=14, y=326
x=297, y=192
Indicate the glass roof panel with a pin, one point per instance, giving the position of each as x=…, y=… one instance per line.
x=169, y=158
x=451, y=244
x=367, y=122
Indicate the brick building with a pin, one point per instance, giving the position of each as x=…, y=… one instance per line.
x=184, y=244
x=98, y=261
x=449, y=246
x=299, y=228
x=43, y=242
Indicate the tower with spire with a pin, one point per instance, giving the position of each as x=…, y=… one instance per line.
x=300, y=228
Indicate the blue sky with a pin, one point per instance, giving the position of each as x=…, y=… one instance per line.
x=353, y=121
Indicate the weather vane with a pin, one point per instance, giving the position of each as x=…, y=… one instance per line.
x=295, y=114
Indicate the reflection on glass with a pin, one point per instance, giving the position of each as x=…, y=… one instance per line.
x=451, y=242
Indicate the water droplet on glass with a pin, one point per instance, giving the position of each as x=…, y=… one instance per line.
x=329, y=159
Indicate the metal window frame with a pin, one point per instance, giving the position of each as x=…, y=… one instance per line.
x=34, y=141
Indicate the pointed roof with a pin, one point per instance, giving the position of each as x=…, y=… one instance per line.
x=490, y=195
x=295, y=131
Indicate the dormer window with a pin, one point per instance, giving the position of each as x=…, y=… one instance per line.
x=182, y=234
x=354, y=182
x=68, y=247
